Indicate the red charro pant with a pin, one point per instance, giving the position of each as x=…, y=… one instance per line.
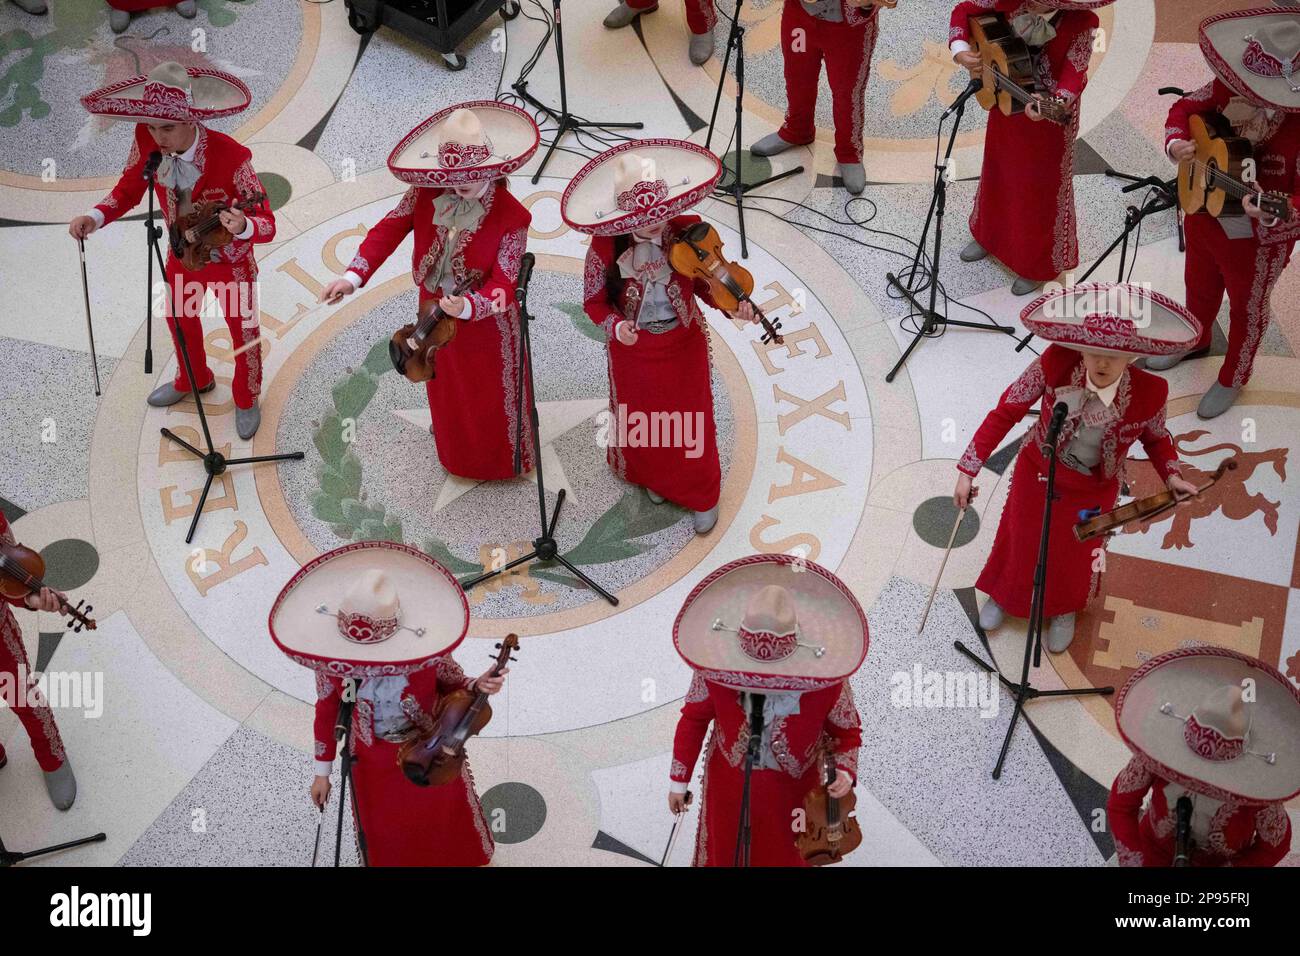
x=1247, y=271
x=234, y=287
x=805, y=42
x=700, y=14
x=36, y=717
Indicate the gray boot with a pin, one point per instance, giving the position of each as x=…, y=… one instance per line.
x=771, y=144
x=654, y=496
x=247, y=420
x=1216, y=401
x=973, y=252
x=169, y=394
x=118, y=20
x=1025, y=286
x=991, y=615
x=61, y=786
x=1163, y=363
x=701, y=47
x=623, y=15
x=187, y=9
x=853, y=176
x=705, y=520
x=32, y=6
x=1060, y=632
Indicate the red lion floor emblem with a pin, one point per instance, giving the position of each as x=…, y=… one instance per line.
x=1229, y=495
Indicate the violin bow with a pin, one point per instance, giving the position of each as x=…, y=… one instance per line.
x=947, y=551
x=90, y=329
x=672, y=837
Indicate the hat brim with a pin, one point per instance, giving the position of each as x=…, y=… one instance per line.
x=828, y=616
x=588, y=204
x=513, y=135
x=430, y=598
x=1222, y=43
x=213, y=93
x=1163, y=326
x=1186, y=677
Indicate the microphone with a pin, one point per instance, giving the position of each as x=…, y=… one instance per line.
x=525, y=276
x=1059, y=411
x=151, y=164
x=1183, y=832
x=974, y=86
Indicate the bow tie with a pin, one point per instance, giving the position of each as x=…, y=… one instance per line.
x=177, y=174
x=1034, y=28
x=452, y=212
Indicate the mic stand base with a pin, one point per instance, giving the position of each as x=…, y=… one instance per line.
x=11, y=857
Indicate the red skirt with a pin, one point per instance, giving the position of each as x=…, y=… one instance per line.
x=1008, y=577
x=1024, y=210
x=662, y=434
x=409, y=825
x=474, y=398
x=773, y=798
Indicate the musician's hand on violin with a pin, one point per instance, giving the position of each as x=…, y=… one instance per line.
x=746, y=313
x=965, y=492
x=972, y=62
x=233, y=221
x=453, y=305
x=1181, y=150
x=46, y=599
x=842, y=785
x=335, y=291
x=1183, y=489
x=676, y=802
x=320, y=791
x=491, y=685
x=625, y=332
x=82, y=226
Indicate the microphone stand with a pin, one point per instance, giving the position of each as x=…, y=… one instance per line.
x=10, y=857
x=214, y=463
x=931, y=320
x=1183, y=831
x=151, y=253
x=1024, y=690
x=744, y=835
x=1164, y=195
x=343, y=734
x=545, y=547
x=566, y=120
x=737, y=187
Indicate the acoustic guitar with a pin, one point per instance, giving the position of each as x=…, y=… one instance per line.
x=1010, y=83
x=1218, y=177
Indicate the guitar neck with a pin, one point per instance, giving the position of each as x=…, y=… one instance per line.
x=1048, y=108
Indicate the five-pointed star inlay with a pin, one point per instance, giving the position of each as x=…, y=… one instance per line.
x=554, y=419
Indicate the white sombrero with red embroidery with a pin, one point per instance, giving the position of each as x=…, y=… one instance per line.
x=171, y=93
x=639, y=184
x=465, y=144
x=371, y=609
x=772, y=622
x=1115, y=318
x=1216, y=721
x=1257, y=54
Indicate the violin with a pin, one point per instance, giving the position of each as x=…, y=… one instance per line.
x=1092, y=523
x=198, y=232
x=21, y=571
x=831, y=829
x=412, y=348
x=890, y=4
x=697, y=254
x=435, y=754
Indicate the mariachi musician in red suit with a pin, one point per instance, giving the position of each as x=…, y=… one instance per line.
x=1215, y=736
x=1096, y=331
x=1251, y=53
x=1024, y=213
x=629, y=199
x=701, y=15
x=778, y=635
x=469, y=231
x=843, y=34
x=387, y=640
x=197, y=165
x=31, y=708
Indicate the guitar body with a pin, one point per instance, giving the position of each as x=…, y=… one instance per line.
x=1003, y=51
x=1218, y=152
